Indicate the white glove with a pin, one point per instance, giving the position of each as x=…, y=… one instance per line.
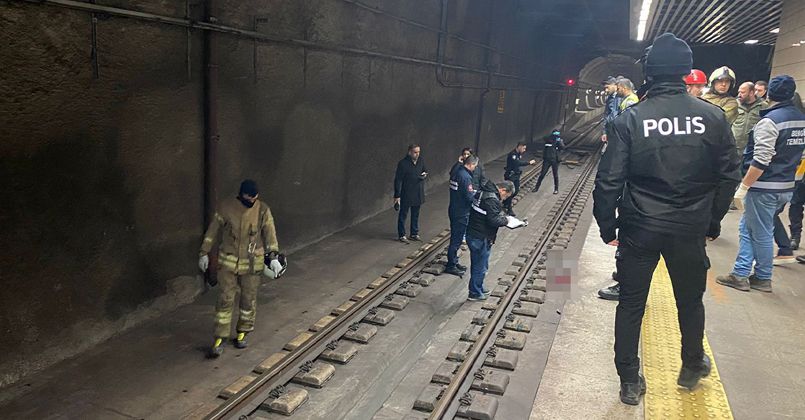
x=740, y=194
x=203, y=263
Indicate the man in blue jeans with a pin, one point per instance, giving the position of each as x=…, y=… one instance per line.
x=486, y=217
x=462, y=195
x=770, y=159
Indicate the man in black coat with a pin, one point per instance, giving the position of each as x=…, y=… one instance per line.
x=485, y=219
x=669, y=173
x=409, y=191
x=550, y=159
x=512, y=173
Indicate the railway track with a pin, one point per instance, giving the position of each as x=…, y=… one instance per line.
x=477, y=368
x=309, y=358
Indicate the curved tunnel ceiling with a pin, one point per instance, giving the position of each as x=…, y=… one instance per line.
x=589, y=94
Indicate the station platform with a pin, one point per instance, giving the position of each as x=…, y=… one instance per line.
x=756, y=341
x=159, y=371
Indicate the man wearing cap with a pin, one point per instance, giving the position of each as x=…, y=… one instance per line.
x=243, y=228
x=550, y=159
x=669, y=174
x=770, y=162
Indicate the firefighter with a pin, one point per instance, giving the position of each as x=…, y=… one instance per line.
x=722, y=80
x=550, y=159
x=695, y=82
x=247, y=247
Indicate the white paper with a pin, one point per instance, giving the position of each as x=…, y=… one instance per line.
x=514, y=222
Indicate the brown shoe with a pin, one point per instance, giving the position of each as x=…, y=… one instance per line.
x=736, y=282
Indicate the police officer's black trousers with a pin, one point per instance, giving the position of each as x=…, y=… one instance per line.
x=546, y=165
x=637, y=256
x=795, y=210
x=507, y=203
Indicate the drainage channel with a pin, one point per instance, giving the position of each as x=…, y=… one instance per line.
x=279, y=383
x=477, y=369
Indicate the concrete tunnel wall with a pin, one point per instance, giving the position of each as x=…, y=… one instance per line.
x=103, y=177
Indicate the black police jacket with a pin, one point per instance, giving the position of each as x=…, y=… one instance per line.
x=409, y=186
x=487, y=213
x=513, y=163
x=670, y=167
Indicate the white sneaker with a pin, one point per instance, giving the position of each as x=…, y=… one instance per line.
x=784, y=259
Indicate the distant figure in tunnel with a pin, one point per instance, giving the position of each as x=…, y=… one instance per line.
x=243, y=228
x=695, y=82
x=651, y=199
x=462, y=194
x=486, y=217
x=722, y=80
x=512, y=172
x=550, y=159
x=409, y=192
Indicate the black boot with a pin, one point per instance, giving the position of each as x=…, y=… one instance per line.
x=454, y=271
x=461, y=267
x=795, y=243
x=689, y=375
x=217, y=348
x=240, y=340
x=631, y=391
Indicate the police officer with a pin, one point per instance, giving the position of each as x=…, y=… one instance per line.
x=485, y=219
x=669, y=173
x=550, y=159
x=461, y=196
x=512, y=173
x=247, y=247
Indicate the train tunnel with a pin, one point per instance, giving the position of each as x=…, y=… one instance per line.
x=125, y=124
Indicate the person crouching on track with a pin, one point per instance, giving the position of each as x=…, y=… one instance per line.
x=461, y=197
x=550, y=159
x=670, y=188
x=247, y=247
x=486, y=217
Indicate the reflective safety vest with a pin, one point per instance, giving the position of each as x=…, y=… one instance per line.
x=245, y=234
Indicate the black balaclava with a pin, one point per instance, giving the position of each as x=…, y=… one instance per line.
x=247, y=187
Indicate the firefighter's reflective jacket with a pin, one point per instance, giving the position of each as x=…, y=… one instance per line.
x=246, y=235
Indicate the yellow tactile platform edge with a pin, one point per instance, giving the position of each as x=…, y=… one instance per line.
x=661, y=362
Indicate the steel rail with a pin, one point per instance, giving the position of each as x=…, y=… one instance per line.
x=447, y=406
x=248, y=399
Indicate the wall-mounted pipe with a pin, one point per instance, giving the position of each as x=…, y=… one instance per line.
x=211, y=133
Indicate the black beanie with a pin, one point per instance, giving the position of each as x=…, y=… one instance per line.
x=669, y=56
x=782, y=88
x=248, y=187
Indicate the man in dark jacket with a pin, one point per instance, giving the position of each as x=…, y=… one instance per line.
x=770, y=161
x=409, y=191
x=669, y=173
x=462, y=195
x=485, y=218
x=550, y=159
x=613, y=103
x=514, y=161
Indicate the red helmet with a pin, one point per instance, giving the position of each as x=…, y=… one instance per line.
x=696, y=77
